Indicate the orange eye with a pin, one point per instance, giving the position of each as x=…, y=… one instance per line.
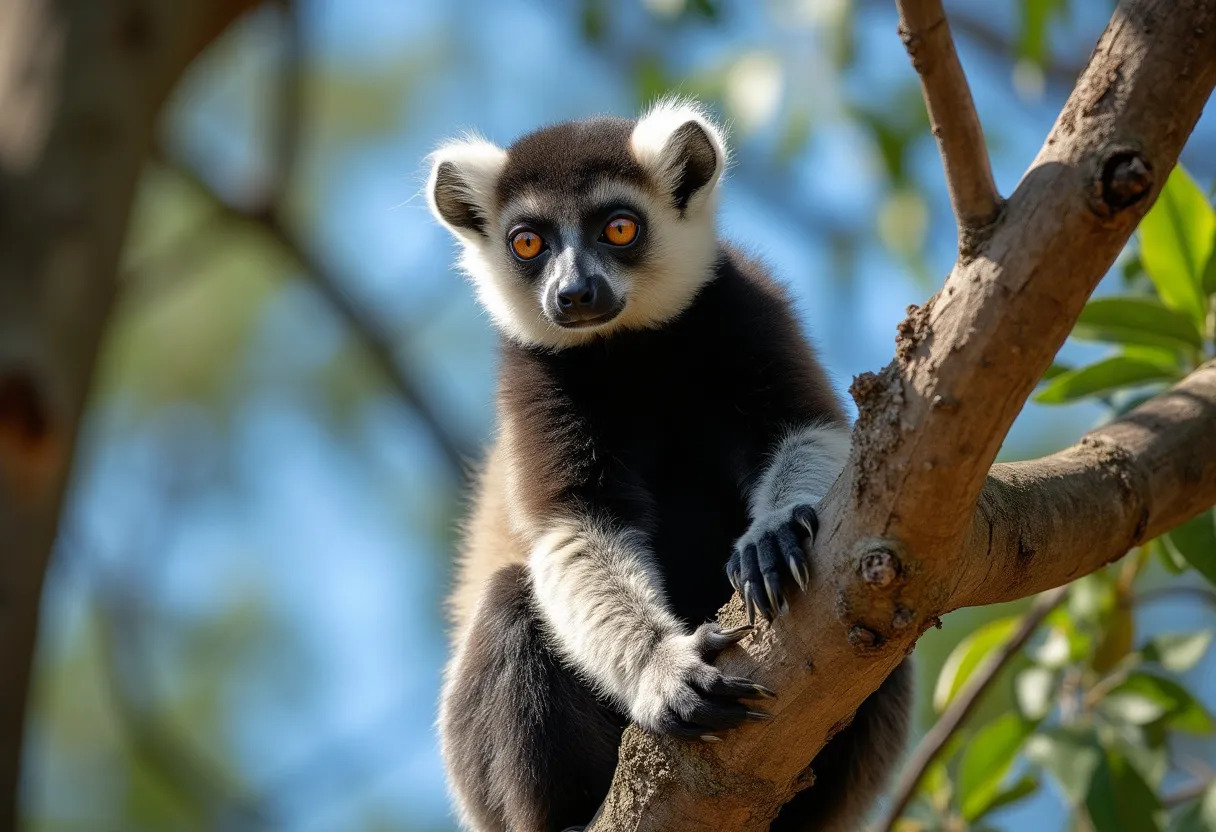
x=621, y=231
x=526, y=244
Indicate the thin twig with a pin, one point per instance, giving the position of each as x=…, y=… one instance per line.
x=962, y=706
x=373, y=335
x=973, y=195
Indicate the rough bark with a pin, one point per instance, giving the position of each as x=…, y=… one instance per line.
x=921, y=523
x=81, y=82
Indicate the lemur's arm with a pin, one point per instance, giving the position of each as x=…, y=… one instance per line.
x=601, y=596
x=782, y=505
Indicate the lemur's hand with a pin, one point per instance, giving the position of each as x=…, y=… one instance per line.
x=771, y=555
x=681, y=692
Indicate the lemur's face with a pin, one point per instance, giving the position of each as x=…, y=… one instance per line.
x=581, y=229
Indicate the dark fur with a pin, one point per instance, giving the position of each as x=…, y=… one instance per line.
x=536, y=748
x=663, y=431
x=568, y=159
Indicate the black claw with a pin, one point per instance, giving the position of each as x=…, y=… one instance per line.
x=763, y=691
x=748, y=606
x=759, y=715
x=711, y=738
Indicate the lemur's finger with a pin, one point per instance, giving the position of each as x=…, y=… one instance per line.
x=719, y=716
x=739, y=688
x=748, y=607
x=712, y=639
x=751, y=573
x=795, y=558
x=808, y=519
x=773, y=568
x=683, y=728
x=732, y=573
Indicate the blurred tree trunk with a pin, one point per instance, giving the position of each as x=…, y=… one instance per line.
x=81, y=83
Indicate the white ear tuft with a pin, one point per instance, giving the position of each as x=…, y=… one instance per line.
x=678, y=142
x=460, y=189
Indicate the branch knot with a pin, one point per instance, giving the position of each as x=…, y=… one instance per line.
x=1125, y=178
x=879, y=568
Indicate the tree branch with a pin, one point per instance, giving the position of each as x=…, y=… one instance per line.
x=926, y=35
x=370, y=332
x=1046, y=522
x=928, y=431
x=962, y=706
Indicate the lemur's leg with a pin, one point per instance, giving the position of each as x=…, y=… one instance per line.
x=853, y=769
x=601, y=598
x=528, y=747
x=771, y=556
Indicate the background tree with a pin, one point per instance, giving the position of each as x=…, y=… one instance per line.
x=241, y=624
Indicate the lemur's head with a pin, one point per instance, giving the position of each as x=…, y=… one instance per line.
x=584, y=228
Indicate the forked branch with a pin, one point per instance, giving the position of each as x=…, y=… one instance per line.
x=960, y=138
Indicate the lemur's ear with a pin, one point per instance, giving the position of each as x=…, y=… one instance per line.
x=460, y=190
x=682, y=148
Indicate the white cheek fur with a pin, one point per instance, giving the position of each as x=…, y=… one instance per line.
x=682, y=247
x=682, y=251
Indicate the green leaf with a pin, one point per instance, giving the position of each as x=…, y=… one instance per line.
x=1025, y=786
x=1176, y=239
x=1177, y=651
x=1056, y=369
x=1118, y=799
x=1106, y=376
x=967, y=656
x=1195, y=542
x=987, y=760
x=1136, y=320
x=1134, y=708
x=1033, y=689
x=1032, y=39
x=1145, y=692
x=1070, y=756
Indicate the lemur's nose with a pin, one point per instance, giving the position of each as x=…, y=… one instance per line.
x=580, y=296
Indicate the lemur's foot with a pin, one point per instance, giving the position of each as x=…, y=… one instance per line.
x=771, y=555
x=682, y=693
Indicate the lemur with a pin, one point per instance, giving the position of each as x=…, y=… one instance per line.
x=658, y=408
